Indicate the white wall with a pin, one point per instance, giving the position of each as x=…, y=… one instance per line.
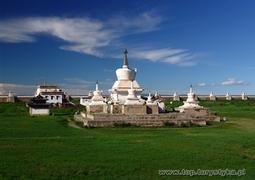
x=85, y=102
x=33, y=111
x=39, y=90
x=54, y=100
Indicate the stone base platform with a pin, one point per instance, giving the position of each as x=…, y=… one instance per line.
x=148, y=120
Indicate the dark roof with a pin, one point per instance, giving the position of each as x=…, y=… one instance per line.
x=38, y=102
x=37, y=97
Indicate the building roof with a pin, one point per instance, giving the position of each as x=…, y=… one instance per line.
x=48, y=87
x=38, y=102
x=52, y=93
x=38, y=98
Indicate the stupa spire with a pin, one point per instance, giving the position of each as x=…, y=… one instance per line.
x=125, y=61
x=97, y=85
x=190, y=89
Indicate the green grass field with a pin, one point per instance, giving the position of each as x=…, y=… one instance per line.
x=52, y=147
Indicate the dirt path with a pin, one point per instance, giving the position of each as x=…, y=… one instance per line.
x=73, y=125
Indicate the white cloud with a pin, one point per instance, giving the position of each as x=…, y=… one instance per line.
x=78, y=86
x=233, y=82
x=73, y=86
x=167, y=55
x=20, y=89
x=202, y=84
x=145, y=22
x=95, y=37
x=78, y=81
x=83, y=35
x=228, y=82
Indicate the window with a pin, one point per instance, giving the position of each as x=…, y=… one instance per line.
x=57, y=97
x=52, y=97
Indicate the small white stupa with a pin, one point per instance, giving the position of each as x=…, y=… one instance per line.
x=212, y=96
x=11, y=97
x=116, y=100
x=90, y=94
x=160, y=102
x=150, y=101
x=156, y=95
x=190, y=103
x=243, y=96
x=132, y=98
x=97, y=98
x=10, y=94
x=176, y=97
x=228, y=97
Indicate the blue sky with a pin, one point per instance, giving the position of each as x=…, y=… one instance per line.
x=173, y=44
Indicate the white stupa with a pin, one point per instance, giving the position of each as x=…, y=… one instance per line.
x=190, y=103
x=97, y=98
x=132, y=98
x=228, y=97
x=176, y=97
x=160, y=102
x=10, y=94
x=212, y=96
x=156, y=95
x=243, y=96
x=90, y=94
x=150, y=101
x=125, y=76
x=11, y=97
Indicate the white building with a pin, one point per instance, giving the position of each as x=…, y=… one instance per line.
x=53, y=94
x=38, y=106
x=125, y=77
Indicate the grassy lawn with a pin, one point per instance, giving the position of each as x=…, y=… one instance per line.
x=48, y=148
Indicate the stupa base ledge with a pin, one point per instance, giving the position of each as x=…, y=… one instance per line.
x=146, y=120
x=196, y=112
x=96, y=108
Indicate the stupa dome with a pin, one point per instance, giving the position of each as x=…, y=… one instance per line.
x=125, y=74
